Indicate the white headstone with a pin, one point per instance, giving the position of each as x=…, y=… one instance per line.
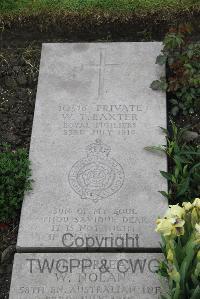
x=94, y=183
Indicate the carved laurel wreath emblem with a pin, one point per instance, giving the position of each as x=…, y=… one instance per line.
x=96, y=176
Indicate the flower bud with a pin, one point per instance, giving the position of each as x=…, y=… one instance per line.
x=170, y=256
x=187, y=206
x=195, y=218
x=196, y=203
x=174, y=275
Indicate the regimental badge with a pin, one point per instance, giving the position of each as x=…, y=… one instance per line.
x=96, y=176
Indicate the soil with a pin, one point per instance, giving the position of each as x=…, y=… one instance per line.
x=19, y=68
x=94, y=24
x=19, y=73
x=8, y=238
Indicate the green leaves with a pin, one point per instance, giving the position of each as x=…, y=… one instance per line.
x=182, y=58
x=161, y=59
x=184, y=174
x=182, y=261
x=155, y=148
x=165, y=194
x=159, y=84
x=187, y=262
x=173, y=40
x=14, y=180
x=175, y=110
x=196, y=293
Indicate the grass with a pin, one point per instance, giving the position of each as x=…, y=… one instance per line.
x=7, y=6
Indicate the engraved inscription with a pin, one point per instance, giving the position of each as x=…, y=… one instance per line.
x=97, y=176
x=90, y=277
x=101, y=120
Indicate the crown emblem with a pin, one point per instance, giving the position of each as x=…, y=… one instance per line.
x=96, y=176
x=98, y=148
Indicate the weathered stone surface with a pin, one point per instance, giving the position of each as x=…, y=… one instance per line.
x=86, y=276
x=94, y=181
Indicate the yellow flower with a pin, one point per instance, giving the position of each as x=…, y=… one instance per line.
x=164, y=226
x=196, y=203
x=170, y=227
x=187, y=206
x=175, y=211
x=174, y=275
x=178, y=226
x=170, y=256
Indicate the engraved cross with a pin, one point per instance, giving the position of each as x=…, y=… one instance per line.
x=102, y=66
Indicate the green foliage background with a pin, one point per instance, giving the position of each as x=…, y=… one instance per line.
x=14, y=181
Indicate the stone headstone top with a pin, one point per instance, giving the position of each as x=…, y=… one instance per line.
x=94, y=183
x=86, y=276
